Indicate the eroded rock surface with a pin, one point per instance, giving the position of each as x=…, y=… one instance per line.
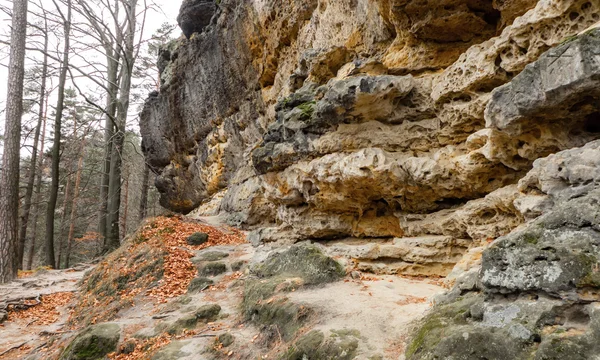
x=415, y=130
x=535, y=297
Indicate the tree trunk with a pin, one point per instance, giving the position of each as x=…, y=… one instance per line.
x=112, y=57
x=56, y=145
x=9, y=176
x=144, y=196
x=32, y=169
x=63, y=216
x=114, y=188
x=75, y=198
x=126, y=204
x=38, y=188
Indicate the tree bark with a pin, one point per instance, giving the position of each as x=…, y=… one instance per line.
x=114, y=188
x=38, y=188
x=75, y=198
x=32, y=169
x=126, y=204
x=111, y=109
x=56, y=145
x=144, y=196
x=38, y=194
x=9, y=175
x=63, y=217
x=65, y=203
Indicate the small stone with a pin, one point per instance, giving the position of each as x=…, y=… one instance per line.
x=197, y=238
x=127, y=348
x=477, y=311
x=208, y=312
x=186, y=322
x=238, y=265
x=213, y=269
x=355, y=275
x=225, y=339
x=198, y=284
x=213, y=256
x=3, y=316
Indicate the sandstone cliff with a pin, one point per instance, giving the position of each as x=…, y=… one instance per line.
x=407, y=124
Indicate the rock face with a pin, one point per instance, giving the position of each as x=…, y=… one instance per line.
x=536, y=296
x=410, y=132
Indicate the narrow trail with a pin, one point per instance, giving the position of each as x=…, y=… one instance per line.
x=36, y=307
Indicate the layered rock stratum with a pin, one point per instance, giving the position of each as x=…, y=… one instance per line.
x=453, y=138
x=406, y=124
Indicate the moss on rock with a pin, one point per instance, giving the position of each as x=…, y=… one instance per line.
x=171, y=351
x=197, y=238
x=198, y=284
x=208, y=312
x=212, y=269
x=314, y=346
x=300, y=265
x=212, y=256
x=305, y=261
x=94, y=342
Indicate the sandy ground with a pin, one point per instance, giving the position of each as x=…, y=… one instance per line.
x=26, y=334
x=381, y=310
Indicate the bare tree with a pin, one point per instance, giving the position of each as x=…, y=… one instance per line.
x=36, y=138
x=9, y=176
x=114, y=189
x=50, y=261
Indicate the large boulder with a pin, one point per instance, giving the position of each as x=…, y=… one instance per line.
x=304, y=261
x=265, y=303
x=195, y=15
x=93, y=343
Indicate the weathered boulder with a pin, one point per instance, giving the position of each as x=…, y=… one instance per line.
x=171, y=351
x=562, y=176
x=195, y=15
x=93, y=343
x=340, y=345
x=304, y=261
x=212, y=256
x=264, y=302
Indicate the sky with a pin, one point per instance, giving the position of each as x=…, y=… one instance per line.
x=166, y=11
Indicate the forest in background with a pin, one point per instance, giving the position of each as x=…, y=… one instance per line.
x=83, y=184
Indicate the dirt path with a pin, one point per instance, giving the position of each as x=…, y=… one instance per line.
x=28, y=327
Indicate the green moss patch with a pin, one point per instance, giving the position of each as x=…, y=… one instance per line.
x=94, y=342
x=314, y=345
